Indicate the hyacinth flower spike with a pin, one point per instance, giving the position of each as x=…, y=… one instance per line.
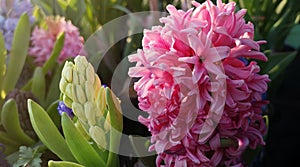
x=96, y=107
x=95, y=122
x=204, y=103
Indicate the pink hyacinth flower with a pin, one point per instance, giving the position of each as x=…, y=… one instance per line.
x=43, y=40
x=197, y=88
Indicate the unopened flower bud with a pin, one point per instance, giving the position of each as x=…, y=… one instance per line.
x=69, y=90
x=79, y=111
x=97, y=83
x=89, y=91
x=67, y=100
x=90, y=73
x=81, y=62
x=116, y=101
x=75, y=78
x=67, y=71
x=79, y=93
x=89, y=109
x=62, y=85
x=98, y=135
x=101, y=101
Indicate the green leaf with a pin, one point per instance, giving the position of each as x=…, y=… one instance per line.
x=11, y=123
x=18, y=54
x=115, y=112
x=116, y=120
x=10, y=144
x=44, y=6
x=47, y=132
x=293, y=37
x=58, y=46
x=278, y=63
x=53, y=113
x=2, y=59
x=75, y=10
x=53, y=92
x=38, y=87
x=63, y=164
x=2, y=69
x=7, y=140
x=79, y=146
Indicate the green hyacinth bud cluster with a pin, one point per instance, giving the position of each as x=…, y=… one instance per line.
x=82, y=91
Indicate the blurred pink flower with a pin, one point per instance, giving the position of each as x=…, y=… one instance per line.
x=43, y=40
x=192, y=69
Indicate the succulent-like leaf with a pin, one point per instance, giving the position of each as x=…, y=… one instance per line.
x=79, y=146
x=53, y=113
x=18, y=54
x=38, y=87
x=47, y=132
x=116, y=120
x=11, y=123
x=52, y=163
x=116, y=117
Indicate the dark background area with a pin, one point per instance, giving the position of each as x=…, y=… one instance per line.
x=283, y=141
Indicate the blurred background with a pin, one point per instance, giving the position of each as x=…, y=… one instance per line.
x=276, y=21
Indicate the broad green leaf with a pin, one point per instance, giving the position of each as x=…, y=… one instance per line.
x=293, y=39
x=53, y=113
x=116, y=123
x=18, y=54
x=2, y=59
x=52, y=163
x=11, y=123
x=115, y=112
x=38, y=87
x=58, y=46
x=47, y=132
x=27, y=86
x=79, y=146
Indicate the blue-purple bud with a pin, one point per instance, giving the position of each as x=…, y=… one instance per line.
x=63, y=108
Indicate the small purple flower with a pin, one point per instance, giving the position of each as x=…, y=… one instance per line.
x=9, y=17
x=63, y=108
